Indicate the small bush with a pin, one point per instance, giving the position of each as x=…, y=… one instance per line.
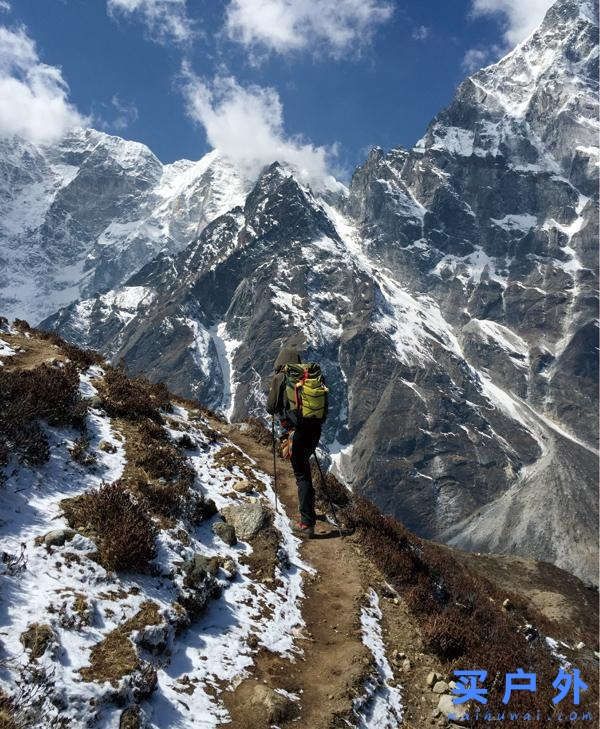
x=36, y=639
x=28, y=396
x=8, y=711
x=186, y=442
x=122, y=529
x=132, y=397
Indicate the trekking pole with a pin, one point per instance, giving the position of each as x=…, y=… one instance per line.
x=326, y=493
x=274, y=461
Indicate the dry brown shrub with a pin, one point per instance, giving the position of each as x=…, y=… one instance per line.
x=120, y=526
x=8, y=711
x=36, y=639
x=329, y=488
x=28, y=396
x=133, y=397
x=461, y=616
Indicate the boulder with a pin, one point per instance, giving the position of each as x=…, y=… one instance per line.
x=279, y=707
x=432, y=678
x=243, y=486
x=226, y=532
x=198, y=566
x=440, y=687
x=58, y=537
x=246, y=519
x=456, y=712
x=230, y=567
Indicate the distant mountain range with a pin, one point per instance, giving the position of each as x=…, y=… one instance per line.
x=450, y=293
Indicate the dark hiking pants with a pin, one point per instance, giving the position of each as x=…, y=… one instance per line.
x=306, y=439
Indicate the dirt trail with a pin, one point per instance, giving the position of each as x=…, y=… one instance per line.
x=335, y=659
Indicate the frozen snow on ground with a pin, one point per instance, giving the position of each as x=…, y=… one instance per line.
x=211, y=653
x=226, y=348
x=491, y=331
x=6, y=350
x=215, y=649
x=522, y=223
x=404, y=318
x=381, y=707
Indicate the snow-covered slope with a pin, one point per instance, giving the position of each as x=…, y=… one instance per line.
x=81, y=216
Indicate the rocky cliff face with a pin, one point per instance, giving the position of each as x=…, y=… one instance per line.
x=80, y=217
x=451, y=296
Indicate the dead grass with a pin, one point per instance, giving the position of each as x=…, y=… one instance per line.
x=230, y=458
x=81, y=358
x=263, y=558
x=36, y=639
x=460, y=614
x=119, y=525
x=115, y=655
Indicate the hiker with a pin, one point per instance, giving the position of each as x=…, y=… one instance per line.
x=298, y=396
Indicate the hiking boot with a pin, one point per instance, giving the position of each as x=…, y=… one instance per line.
x=303, y=530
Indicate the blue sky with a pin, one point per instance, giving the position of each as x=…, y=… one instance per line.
x=171, y=73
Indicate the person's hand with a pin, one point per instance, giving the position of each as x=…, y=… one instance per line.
x=286, y=446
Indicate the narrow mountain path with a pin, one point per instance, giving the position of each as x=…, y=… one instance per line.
x=335, y=660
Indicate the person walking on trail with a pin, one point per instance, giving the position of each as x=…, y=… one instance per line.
x=298, y=396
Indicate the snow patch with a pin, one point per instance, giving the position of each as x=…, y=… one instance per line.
x=381, y=707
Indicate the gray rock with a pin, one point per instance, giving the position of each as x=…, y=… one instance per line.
x=225, y=531
x=440, y=687
x=58, y=537
x=247, y=519
x=456, y=712
x=432, y=678
x=230, y=567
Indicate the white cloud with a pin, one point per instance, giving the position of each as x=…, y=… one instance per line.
x=520, y=17
x=127, y=113
x=5, y=6
x=166, y=20
x=421, y=32
x=33, y=96
x=246, y=125
x=336, y=26
x=475, y=58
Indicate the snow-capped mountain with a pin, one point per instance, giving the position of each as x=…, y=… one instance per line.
x=451, y=296
x=78, y=218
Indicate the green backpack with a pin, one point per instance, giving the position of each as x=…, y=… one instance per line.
x=305, y=392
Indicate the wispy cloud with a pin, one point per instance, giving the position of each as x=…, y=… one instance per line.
x=420, y=33
x=476, y=58
x=335, y=27
x=33, y=96
x=245, y=123
x=167, y=21
x=519, y=17
x=5, y=6
x=126, y=111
